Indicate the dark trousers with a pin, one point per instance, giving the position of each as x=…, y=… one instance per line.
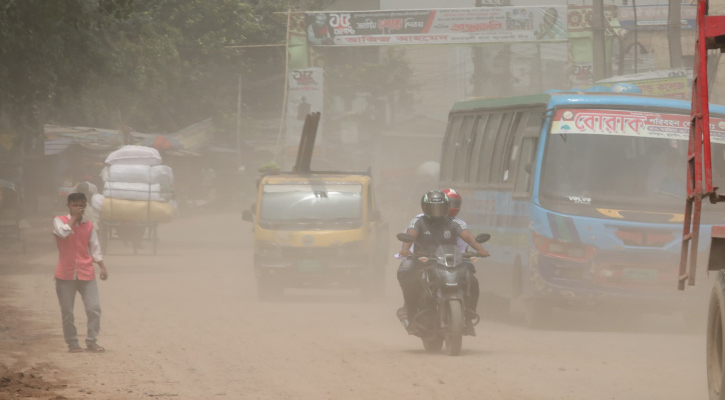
x=408, y=276
x=66, y=290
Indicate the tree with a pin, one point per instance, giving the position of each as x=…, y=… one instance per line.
x=158, y=64
x=47, y=49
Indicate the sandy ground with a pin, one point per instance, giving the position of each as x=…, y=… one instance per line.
x=186, y=324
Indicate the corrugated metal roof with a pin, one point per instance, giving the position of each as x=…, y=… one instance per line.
x=187, y=141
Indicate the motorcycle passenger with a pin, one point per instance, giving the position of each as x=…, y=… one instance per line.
x=474, y=290
x=434, y=228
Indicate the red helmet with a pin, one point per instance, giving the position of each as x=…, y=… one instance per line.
x=455, y=199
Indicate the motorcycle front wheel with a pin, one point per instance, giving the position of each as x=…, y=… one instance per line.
x=453, y=327
x=433, y=342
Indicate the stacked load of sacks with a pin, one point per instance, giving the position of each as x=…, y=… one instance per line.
x=137, y=187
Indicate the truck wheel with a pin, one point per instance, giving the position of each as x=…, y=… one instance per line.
x=715, y=318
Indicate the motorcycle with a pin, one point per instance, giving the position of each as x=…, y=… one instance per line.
x=443, y=276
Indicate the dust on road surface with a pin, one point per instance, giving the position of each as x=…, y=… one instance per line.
x=186, y=324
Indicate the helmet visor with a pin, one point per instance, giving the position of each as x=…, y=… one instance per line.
x=436, y=210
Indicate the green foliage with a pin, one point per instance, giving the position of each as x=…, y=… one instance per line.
x=381, y=72
x=159, y=65
x=47, y=48
x=153, y=65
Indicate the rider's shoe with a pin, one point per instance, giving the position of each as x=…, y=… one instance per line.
x=469, y=329
x=403, y=317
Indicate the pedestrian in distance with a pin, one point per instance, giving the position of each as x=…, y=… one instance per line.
x=78, y=250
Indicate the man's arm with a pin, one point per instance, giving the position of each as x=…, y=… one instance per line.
x=61, y=229
x=467, y=236
x=104, y=272
x=94, y=246
x=95, y=250
x=405, y=250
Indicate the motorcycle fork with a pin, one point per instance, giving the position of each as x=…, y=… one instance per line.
x=444, y=299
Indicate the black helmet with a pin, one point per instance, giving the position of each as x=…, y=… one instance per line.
x=435, y=204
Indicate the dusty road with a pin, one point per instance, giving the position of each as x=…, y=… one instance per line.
x=186, y=324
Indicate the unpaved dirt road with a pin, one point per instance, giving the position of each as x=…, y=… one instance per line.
x=186, y=324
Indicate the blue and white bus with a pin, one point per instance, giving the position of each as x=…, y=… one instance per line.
x=583, y=194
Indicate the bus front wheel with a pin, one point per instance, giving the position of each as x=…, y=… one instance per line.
x=715, y=339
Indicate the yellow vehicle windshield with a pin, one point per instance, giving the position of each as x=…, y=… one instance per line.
x=325, y=206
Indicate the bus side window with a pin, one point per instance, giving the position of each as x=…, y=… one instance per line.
x=525, y=168
x=474, y=174
x=449, y=147
x=530, y=131
x=511, y=147
x=485, y=152
x=504, y=135
x=463, y=149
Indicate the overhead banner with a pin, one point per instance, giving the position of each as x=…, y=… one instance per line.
x=304, y=97
x=656, y=16
x=443, y=26
x=630, y=123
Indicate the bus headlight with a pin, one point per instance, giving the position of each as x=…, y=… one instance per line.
x=561, y=249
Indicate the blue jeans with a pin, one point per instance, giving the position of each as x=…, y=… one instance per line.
x=66, y=291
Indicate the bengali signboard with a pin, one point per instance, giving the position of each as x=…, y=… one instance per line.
x=579, y=18
x=630, y=123
x=442, y=26
x=672, y=83
x=304, y=97
x=656, y=16
x=676, y=88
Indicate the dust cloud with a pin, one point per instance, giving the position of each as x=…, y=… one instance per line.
x=187, y=322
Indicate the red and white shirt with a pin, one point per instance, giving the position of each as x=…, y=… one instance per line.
x=78, y=249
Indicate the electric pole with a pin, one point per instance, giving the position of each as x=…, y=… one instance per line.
x=598, y=46
x=674, y=40
x=477, y=54
x=478, y=73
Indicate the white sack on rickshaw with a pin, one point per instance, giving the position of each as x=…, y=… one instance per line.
x=137, y=191
x=138, y=174
x=134, y=155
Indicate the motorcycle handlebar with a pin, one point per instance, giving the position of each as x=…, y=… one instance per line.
x=466, y=256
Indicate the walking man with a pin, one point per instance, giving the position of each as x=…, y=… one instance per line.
x=78, y=249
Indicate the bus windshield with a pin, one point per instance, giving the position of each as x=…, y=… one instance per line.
x=613, y=162
x=301, y=205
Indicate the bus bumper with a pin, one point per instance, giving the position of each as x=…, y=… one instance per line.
x=646, y=282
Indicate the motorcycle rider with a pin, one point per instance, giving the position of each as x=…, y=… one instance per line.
x=456, y=201
x=436, y=227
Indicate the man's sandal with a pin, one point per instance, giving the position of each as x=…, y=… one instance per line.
x=94, y=348
x=75, y=349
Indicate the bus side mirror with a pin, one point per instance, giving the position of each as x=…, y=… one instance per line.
x=247, y=216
